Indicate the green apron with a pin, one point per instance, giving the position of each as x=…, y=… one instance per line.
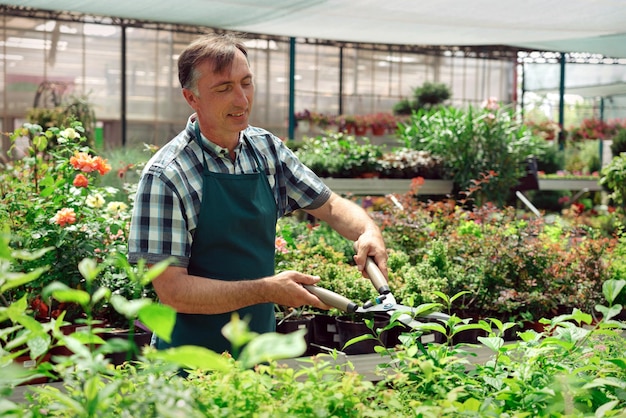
x=234, y=240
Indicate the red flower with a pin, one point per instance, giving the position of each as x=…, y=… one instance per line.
x=80, y=181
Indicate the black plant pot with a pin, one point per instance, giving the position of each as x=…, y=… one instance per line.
x=393, y=334
x=325, y=336
x=290, y=325
x=349, y=327
x=140, y=338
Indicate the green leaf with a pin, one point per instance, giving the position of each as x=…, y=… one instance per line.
x=363, y=337
x=101, y=293
x=80, y=341
x=155, y=271
x=30, y=255
x=426, y=308
x=40, y=142
x=238, y=332
x=64, y=293
x=621, y=362
x=129, y=308
x=431, y=327
x=89, y=269
x=607, y=407
x=493, y=343
x=13, y=280
x=38, y=345
x=273, y=346
x=442, y=296
x=193, y=357
x=498, y=324
x=609, y=312
x=160, y=319
x=612, y=288
x=480, y=325
x=608, y=381
x=458, y=295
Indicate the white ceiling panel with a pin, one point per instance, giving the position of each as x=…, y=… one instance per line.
x=591, y=26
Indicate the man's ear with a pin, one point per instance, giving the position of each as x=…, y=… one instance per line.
x=191, y=98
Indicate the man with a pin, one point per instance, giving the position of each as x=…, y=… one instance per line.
x=211, y=198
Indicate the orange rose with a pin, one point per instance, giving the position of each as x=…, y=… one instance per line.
x=83, y=162
x=80, y=181
x=101, y=165
x=65, y=216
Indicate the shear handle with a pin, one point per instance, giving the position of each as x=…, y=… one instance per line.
x=332, y=299
x=376, y=276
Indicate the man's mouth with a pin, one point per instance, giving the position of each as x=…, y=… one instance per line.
x=238, y=115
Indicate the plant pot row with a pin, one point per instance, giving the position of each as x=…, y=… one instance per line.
x=140, y=337
x=326, y=333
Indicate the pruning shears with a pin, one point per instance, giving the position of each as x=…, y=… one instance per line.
x=384, y=303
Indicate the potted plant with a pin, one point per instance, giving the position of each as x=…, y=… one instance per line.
x=360, y=125
x=382, y=122
x=346, y=123
x=473, y=143
x=289, y=320
x=363, y=159
x=303, y=120
x=320, y=120
x=405, y=163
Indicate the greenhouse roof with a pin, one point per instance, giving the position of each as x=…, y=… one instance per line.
x=595, y=27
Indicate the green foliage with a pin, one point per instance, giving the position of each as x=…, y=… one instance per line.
x=572, y=369
x=614, y=178
x=619, y=142
x=582, y=158
x=507, y=264
x=340, y=155
x=474, y=142
x=51, y=199
x=427, y=96
x=75, y=109
x=551, y=160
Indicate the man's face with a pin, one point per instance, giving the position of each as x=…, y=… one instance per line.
x=224, y=100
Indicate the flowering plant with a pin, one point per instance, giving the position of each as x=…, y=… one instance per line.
x=596, y=129
x=408, y=163
x=547, y=129
x=50, y=199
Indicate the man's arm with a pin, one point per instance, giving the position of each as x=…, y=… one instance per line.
x=354, y=223
x=198, y=295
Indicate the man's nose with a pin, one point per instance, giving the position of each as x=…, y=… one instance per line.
x=241, y=96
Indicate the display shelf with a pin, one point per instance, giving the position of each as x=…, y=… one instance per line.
x=381, y=187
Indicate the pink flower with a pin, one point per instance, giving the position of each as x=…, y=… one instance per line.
x=491, y=104
x=281, y=245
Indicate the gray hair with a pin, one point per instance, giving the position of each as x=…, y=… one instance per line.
x=220, y=49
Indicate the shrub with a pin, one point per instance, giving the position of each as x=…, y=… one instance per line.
x=474, y=142
x=619, y=142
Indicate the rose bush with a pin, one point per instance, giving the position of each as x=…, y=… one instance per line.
x=51, y=198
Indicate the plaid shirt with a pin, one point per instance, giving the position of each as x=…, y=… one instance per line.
x=169, y=194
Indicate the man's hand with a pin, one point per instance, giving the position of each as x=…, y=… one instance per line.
x=286, y=289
